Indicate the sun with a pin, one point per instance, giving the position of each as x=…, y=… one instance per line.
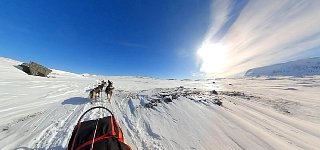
x=212, y=56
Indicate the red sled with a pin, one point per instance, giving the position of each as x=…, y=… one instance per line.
x=100, y=134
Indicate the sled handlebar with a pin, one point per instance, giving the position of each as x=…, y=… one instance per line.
x=78, y=124
x=92, y=109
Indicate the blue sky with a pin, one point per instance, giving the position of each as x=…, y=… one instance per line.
x=162, y=38
x=245, y=34
x=125, y=37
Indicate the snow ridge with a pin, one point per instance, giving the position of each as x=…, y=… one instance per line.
x=303, y=67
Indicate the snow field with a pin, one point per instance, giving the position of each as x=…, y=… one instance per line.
x=273, y=113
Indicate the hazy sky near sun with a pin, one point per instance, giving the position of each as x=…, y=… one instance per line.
x=261, y=32
x=165, y=38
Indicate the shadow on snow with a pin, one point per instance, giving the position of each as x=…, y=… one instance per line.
x=76, y=101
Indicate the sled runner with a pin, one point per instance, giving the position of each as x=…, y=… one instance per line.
x=100, y=134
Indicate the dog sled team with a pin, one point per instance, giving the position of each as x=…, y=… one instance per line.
x=98, y=91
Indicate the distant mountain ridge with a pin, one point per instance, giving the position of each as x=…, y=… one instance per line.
x=302, y=67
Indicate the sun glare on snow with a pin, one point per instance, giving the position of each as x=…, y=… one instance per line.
x=212, y=57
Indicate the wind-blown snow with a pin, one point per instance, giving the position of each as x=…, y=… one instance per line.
x=263, y=113
x=302, y=67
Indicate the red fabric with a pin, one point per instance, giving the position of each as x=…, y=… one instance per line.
x=112, y=126
x=105, y=136
x=120, y=137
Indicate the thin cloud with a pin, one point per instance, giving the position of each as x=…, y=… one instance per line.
x=265, y=32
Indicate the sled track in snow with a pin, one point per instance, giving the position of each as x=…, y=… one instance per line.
x=256, y=124
x=41, y=113
x=56, y=135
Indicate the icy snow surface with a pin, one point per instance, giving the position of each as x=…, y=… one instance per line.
x=257, y=113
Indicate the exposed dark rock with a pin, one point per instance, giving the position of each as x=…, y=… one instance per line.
x=25, y=67
x=155, y=100
x=218, y=102
x=214, y=92
x=287, y=111
x=5, y=128
x=233, y=93
x=170, y=95
x=35, y=69
x=150, y=105
x=167, y=99
x=175, y=96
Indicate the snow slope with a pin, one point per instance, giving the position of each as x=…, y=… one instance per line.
x=263, y=113
x=303, y=67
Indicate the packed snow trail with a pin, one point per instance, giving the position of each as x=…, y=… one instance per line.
x=272, y=113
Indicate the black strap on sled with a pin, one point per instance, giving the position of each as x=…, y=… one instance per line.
x=92, y=109
x=79, y=123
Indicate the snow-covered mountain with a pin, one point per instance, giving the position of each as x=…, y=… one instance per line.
x=302, y=67
x=40, y=113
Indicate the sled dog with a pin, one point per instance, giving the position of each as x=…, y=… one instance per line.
x=97, y=91
x=109, y=90
x=94, y=93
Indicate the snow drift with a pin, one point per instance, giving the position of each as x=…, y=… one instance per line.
x=40, y=113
